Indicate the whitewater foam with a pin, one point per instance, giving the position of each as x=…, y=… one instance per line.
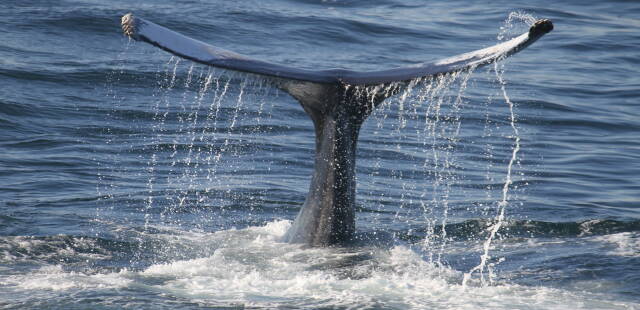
x=621, y=244
x=55, y=278
x=251, y=267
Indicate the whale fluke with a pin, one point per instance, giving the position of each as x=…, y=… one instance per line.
x=198, y=51
x=337, y=107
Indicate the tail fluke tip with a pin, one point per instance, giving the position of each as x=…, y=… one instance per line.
x=128, y=25
x=541, y=27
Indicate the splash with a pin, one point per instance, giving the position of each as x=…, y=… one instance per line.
x=499, y=220
x=251, y=268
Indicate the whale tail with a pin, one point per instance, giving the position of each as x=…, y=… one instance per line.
x=338, y=101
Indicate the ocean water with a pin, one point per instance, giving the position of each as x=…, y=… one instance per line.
x=133, y=179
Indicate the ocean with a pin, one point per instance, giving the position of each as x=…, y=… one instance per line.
x=133, y=179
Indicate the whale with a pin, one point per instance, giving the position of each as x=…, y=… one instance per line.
x=338, y=101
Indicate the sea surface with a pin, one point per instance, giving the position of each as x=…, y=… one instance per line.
x=131, y=179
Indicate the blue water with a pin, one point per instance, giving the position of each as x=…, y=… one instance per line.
x=133, y=179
